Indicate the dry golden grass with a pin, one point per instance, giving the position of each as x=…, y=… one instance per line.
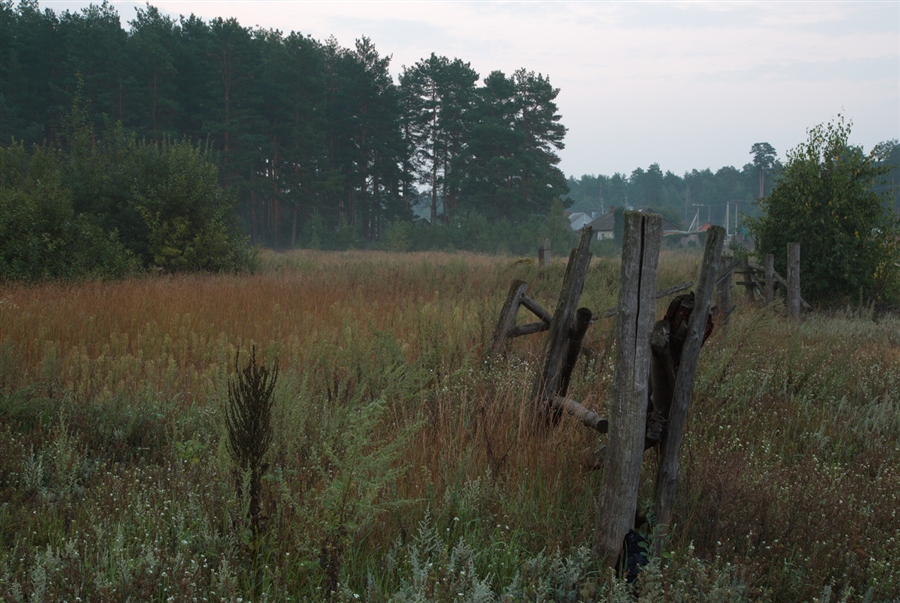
x=789, y=466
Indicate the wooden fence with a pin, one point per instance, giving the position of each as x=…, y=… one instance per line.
x=656, y=362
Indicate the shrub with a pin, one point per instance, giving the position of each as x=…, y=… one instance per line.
x=40, y=234
x=824, y=200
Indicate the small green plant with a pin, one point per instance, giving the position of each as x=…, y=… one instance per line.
x=248, y=418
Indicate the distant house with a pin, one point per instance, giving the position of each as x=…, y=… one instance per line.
x=578, y=219
x=604, y=226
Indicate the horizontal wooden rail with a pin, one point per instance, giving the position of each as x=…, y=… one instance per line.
x=536, y=309
x=778, y=278
x=587, y=417
x=529, y=329
x=659, y=295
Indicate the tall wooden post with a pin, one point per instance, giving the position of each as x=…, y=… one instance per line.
x=628, y=407
x=544, y=253
x=770, y=279
x=547, y=383
x=793, y=257
x=670, y=444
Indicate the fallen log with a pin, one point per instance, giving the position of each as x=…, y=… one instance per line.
x=587, y=417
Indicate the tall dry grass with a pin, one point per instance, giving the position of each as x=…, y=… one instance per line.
x=399, y=443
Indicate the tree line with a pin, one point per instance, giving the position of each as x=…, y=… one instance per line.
x=712, y=196
x=313, y=139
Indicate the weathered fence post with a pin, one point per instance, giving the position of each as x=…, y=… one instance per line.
x=793, y=278
x=580, y=326
x=628, y=407
x=723, y=292
x=547, y=383
x=544, y=253
x=670, y=444
x=770, y=279
x=508, y=315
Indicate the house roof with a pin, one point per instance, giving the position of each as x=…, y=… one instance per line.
x=607, y=221
x=604, y=223
x=670, y=226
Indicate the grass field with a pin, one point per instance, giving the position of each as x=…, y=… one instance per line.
x=403, y=467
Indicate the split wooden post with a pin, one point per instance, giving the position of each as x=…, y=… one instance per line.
x=670, y=444
x=546, y=385
x=628, y=407
x=770, y=279
x=793, y=278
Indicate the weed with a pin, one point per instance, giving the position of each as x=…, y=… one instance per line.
x=400, y=466
x=248, y=418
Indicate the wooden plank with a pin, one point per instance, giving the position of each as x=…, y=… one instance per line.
x=676, y=289
x=727, y=271
x=723, y=290
x=770, y=279
x=539, y=327
x=547, y=381
x=573, y=350
x=528, y=329
x=780, y=279
x=659, y=295
x=587, y=417
x=508, y=314
x=670, y=443
x=536, y=309
x=793, y=257
x=662, y=369
x=628, y=406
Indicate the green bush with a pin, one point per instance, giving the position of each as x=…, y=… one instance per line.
x=189, y=219
x=110, y=206
x=824, y=200
x=41, y=236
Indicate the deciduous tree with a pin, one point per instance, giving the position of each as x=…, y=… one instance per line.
x=824, y=201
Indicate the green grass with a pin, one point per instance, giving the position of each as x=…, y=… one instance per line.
x=403, y=467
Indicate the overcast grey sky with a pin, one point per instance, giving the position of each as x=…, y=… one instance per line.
x=683, y=84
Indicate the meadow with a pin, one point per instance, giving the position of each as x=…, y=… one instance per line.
x=403, y=466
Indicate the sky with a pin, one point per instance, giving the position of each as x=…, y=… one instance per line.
x=687, y=85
